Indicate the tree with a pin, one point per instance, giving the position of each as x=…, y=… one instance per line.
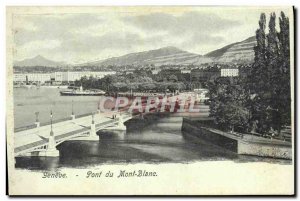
x=120, y=86
x=270, y=75
x=173, y=78
x=281, y=78
x=147, y=86
x=259, y=79
x=108, y=81
x=227, y=106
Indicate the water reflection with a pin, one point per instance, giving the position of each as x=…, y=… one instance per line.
x=38, y=163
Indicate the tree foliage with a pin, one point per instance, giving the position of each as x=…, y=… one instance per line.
x=139, y=80
x=264, y=95
x=270, y=75
x=228, y=99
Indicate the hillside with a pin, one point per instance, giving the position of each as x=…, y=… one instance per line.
x=162, y=56
x=240, y=52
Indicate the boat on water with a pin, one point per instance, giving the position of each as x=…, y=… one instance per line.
x=81, y=92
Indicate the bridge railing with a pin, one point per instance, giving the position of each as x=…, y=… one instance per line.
x=124, y=112
x=48, y=123
x=55, y=121
x=24, y=128
x=83, y=115
x=105, y=123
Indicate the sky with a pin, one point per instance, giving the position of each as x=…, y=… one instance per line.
x=104, y=32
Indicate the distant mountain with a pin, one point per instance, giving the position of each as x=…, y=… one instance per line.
x=162, y=56
x=240, y=52
x=38, y=61
x=219, y=52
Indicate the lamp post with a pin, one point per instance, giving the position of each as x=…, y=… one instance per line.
x=98, y=107
x=73, y=115
x=36, y=116
x=93, y=121
x=51, y=117
x=191, y=80
x=37, y=122
x=72, y=107
x=93, y=134
x=51, y=149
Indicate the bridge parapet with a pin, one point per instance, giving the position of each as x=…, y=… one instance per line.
x=38, y=140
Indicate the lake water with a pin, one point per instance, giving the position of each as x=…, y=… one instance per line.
x=43, y=100
x=152, y=140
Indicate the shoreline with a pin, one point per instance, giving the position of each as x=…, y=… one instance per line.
x=248, y=145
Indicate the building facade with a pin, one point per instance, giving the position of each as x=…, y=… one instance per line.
x=204, y=75
x=58, y=77
x=229, y=72
x=32, y=77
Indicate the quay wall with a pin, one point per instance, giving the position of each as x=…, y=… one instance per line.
x=264, y=150
x=199, y=129
x=193, y=128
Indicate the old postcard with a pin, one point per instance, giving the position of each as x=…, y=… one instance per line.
x=150, y=100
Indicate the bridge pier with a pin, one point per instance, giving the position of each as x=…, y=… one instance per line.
x=93, y=134
x=141, y=116
x=73, y=116
x=37, y=124
x=51, y=150
x=120, y=126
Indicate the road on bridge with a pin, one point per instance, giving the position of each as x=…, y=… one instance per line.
x=36, y=137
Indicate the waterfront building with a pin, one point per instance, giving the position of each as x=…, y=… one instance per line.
x=31, y=77
x=72, y=76
x=38, y=77
x=203, y=75
x=129, y=71
x=58, y=77
x=229, y=72
x=170, y=71
x=185, y=71
x=19, y=77
x=155, y=71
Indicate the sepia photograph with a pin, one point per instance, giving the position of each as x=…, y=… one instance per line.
x=150, y=100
